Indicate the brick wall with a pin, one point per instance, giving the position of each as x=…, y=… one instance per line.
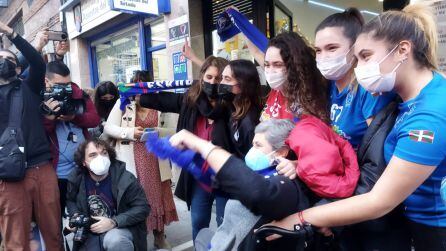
x=41, y=13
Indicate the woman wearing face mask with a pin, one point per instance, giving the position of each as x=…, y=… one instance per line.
x=352, y=110
x=240, y=89
x=105, y=96
x=404, y=60
x=352, y=107
x=276, y=74
x=127, y=128
x=258, y=193
x=200, y=113
x=331, y=175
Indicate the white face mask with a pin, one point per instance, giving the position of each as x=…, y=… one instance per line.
x=275, y=79
x=100, y=165
x=334, y=68
x=370, y=77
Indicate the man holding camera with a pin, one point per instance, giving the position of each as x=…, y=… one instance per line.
x=33, y=191
x=107, y=205
x=69, y=112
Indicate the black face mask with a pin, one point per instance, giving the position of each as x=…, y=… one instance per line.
x=225, y=92
x=7, y=69
x=107, y=103
x=211, y=90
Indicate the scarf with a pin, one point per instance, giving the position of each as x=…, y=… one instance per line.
x=126, y=91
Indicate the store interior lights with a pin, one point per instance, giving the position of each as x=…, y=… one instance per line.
x=332, y=7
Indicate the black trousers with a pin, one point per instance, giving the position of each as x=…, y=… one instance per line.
x=427, y=238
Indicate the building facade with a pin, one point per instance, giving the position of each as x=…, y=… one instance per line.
x=27, y=17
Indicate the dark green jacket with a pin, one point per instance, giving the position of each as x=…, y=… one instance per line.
x=132, y=205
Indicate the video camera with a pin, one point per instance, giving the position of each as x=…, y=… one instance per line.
x=63, y=93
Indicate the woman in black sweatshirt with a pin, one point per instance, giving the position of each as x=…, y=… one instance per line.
x=200, y=113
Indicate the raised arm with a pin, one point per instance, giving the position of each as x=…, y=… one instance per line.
x=36, y=77
x=273, y=198
x=162, y=101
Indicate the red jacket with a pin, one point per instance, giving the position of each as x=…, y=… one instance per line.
x=89, y=119
x=326, y=163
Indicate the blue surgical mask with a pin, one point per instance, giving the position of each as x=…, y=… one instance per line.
x=257, y=160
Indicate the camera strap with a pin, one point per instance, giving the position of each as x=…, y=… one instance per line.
x=16, y=108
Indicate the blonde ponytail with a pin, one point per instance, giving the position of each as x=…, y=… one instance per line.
x=423, y=15
x=415, y=23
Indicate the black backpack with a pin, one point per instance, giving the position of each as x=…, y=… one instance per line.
x=12, y=145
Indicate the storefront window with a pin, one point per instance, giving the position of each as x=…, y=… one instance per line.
x=282, y=21
x=159, y=57
x=118, y=56
x=159, y=62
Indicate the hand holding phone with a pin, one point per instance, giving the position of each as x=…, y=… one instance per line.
x=57, y=35
x=146, y=133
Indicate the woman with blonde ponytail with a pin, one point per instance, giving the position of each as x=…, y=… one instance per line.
x=396, y=51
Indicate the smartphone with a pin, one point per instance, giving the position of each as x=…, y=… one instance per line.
x=146, y=133
x=57, y=35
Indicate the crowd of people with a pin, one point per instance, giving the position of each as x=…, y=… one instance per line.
x=345, y=152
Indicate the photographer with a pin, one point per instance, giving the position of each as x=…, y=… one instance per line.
x=69, y=112
x=102, y=189
x=35, y=190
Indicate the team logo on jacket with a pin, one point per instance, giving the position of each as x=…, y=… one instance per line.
x=422, y=136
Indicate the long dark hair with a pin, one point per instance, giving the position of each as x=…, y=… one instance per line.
x=245, y=72
x=305, y=88
x=195, y=90
x=102, y=107
x=142, y=76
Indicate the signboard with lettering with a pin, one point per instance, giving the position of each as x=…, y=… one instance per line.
x=178, y=30
x=135, y=6
x=91, y=9
x=179, y=66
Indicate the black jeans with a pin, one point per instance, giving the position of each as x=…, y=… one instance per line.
x=428, y=238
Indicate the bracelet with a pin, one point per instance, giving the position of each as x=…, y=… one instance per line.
x=210, y=151
x=301, y=218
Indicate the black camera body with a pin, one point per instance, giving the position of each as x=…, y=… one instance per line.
x=63, y=93
x=82, y=223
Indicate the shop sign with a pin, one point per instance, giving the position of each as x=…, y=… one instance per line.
x=178, y=30
x=179, y=66
x=135, y=6
x=92, y=9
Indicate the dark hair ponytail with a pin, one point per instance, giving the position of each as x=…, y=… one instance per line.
x=351, y=20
